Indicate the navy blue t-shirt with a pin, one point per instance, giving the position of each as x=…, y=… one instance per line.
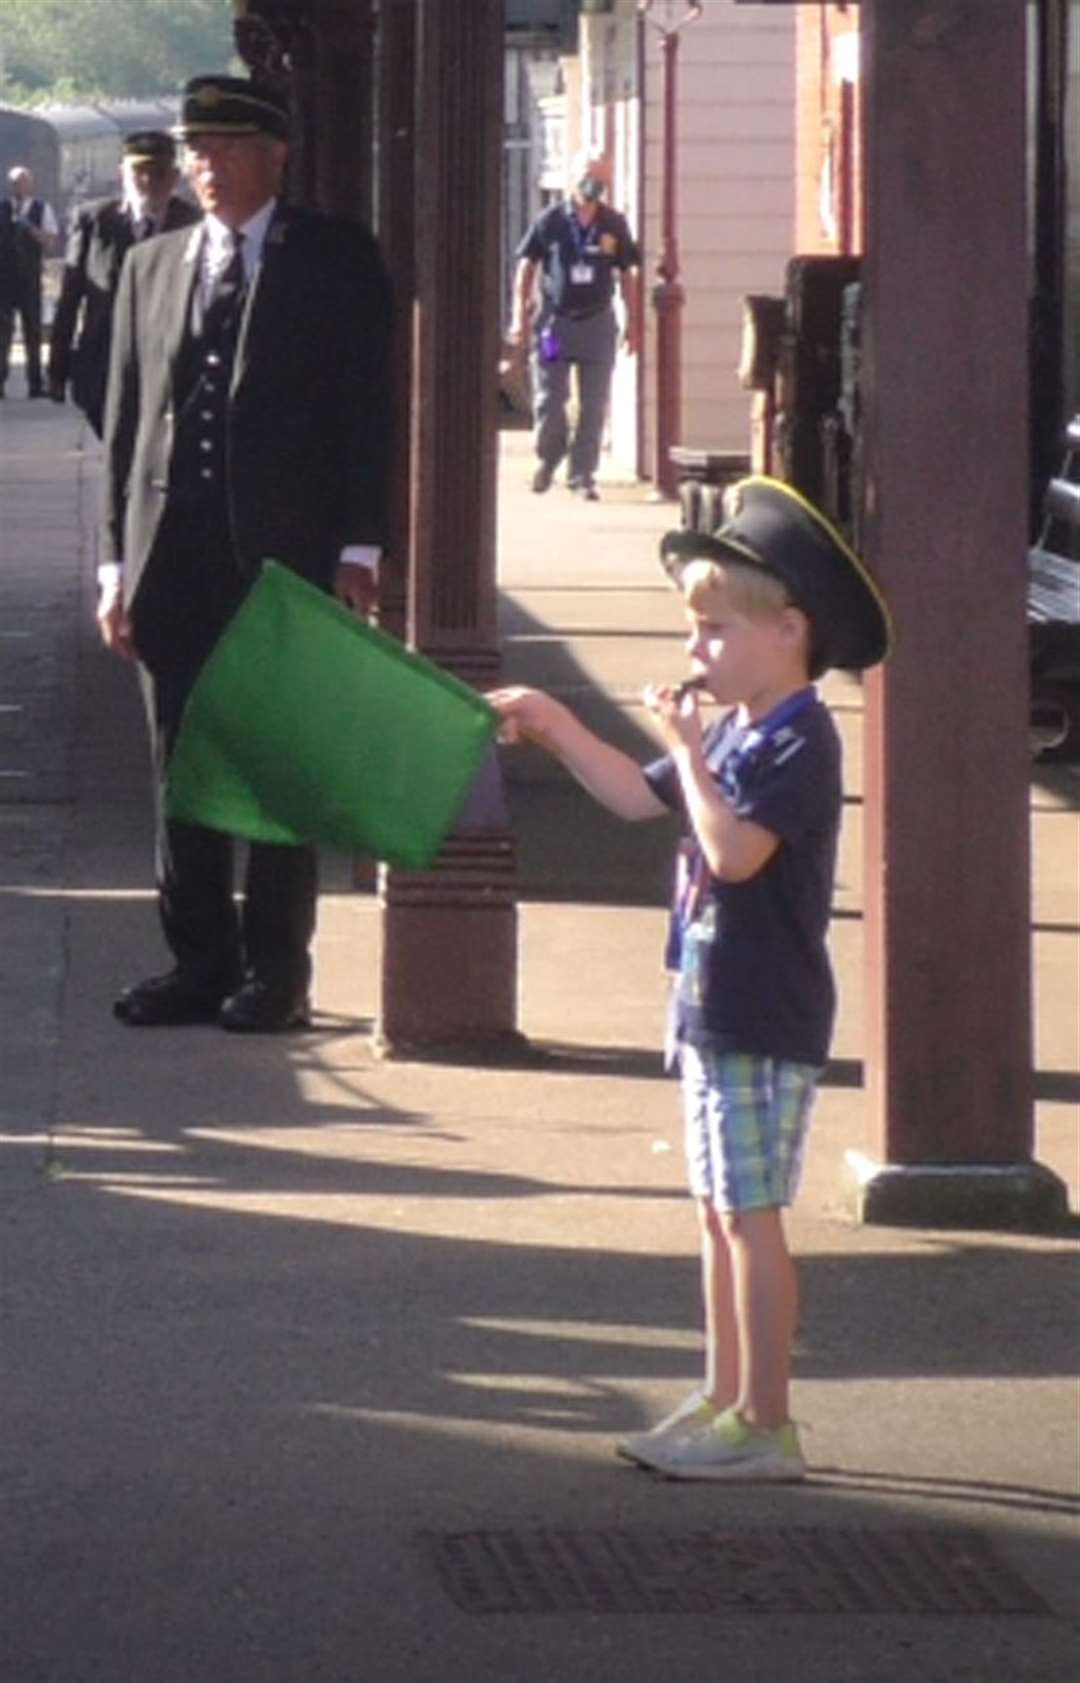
x=578, y=262
x=753, y=966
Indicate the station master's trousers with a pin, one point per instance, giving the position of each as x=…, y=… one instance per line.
x=192, y=592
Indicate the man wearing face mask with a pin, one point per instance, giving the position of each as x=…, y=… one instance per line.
x=577, y=249
x=101, y=237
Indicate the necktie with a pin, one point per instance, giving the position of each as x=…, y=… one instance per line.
x=229, y=281
x=222, y=307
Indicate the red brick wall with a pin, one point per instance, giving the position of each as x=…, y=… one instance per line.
x=828, y=192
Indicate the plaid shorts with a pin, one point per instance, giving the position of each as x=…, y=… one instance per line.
x=746, y=1119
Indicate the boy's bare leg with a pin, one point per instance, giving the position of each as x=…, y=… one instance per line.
x=765, y=1297
x=718, y=1292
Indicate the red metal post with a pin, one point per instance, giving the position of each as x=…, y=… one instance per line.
x=668, y=295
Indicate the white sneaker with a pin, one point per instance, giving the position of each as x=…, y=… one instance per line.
x=726, y=1448
x=694, y=1411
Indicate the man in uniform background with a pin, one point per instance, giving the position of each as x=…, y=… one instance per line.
x=28, y=228
x=577, y=248
x=247, y=418
x=102, y=235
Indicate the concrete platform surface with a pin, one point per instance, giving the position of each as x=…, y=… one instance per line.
x=313, y=1364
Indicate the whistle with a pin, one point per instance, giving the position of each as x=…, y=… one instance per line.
x=689, y=686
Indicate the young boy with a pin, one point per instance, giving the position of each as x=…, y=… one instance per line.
x=773, y=600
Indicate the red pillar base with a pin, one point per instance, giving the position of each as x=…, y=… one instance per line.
x=1015, y=1197
x=668, y=299
x=449, y=955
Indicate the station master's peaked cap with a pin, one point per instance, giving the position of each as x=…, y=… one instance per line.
x=771, y=525
x=150, y=146
x=232, y=105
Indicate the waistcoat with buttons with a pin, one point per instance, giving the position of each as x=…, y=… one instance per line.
x=204, y=375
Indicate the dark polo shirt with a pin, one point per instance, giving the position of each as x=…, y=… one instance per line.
x=579, y=263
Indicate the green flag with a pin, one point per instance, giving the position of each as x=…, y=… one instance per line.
x=307, y=725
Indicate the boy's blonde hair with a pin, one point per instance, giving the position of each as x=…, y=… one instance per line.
x=748, y=589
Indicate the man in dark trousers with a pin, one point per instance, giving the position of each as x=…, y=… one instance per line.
x=28, y=230
x=247, y=417
x=102, y=235
x=577, y=249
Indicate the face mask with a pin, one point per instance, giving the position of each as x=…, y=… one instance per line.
x=591, y=188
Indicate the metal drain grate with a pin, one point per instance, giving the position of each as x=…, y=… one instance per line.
x=792, y=1570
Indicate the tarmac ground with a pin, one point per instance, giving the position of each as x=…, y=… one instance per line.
x=313, y=1363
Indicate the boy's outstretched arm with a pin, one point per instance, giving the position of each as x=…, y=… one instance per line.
x=610, y=776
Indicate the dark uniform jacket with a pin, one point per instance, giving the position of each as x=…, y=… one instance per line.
x=9, y=261
x=20, y=256
x=308, y=412
x=27, y=255
x=82, y=324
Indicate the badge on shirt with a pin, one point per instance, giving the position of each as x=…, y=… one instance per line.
x=609, y=244
x=582, y=274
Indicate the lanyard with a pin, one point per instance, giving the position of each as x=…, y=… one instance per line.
x=759, y=735
x=692, y=873
x=579, y=231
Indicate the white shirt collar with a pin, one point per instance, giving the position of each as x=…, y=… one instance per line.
x=254, y=230
x=138, y=209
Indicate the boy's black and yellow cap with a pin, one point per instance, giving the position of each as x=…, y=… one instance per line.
x=769, y=524
x=231, y=105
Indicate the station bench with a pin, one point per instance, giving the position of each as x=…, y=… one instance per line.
x=1053, y=613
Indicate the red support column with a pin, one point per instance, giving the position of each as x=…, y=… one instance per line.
x=449, y=950
x=322, y=52
x=947, y=888
x=344, y=91
x=396, y=119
